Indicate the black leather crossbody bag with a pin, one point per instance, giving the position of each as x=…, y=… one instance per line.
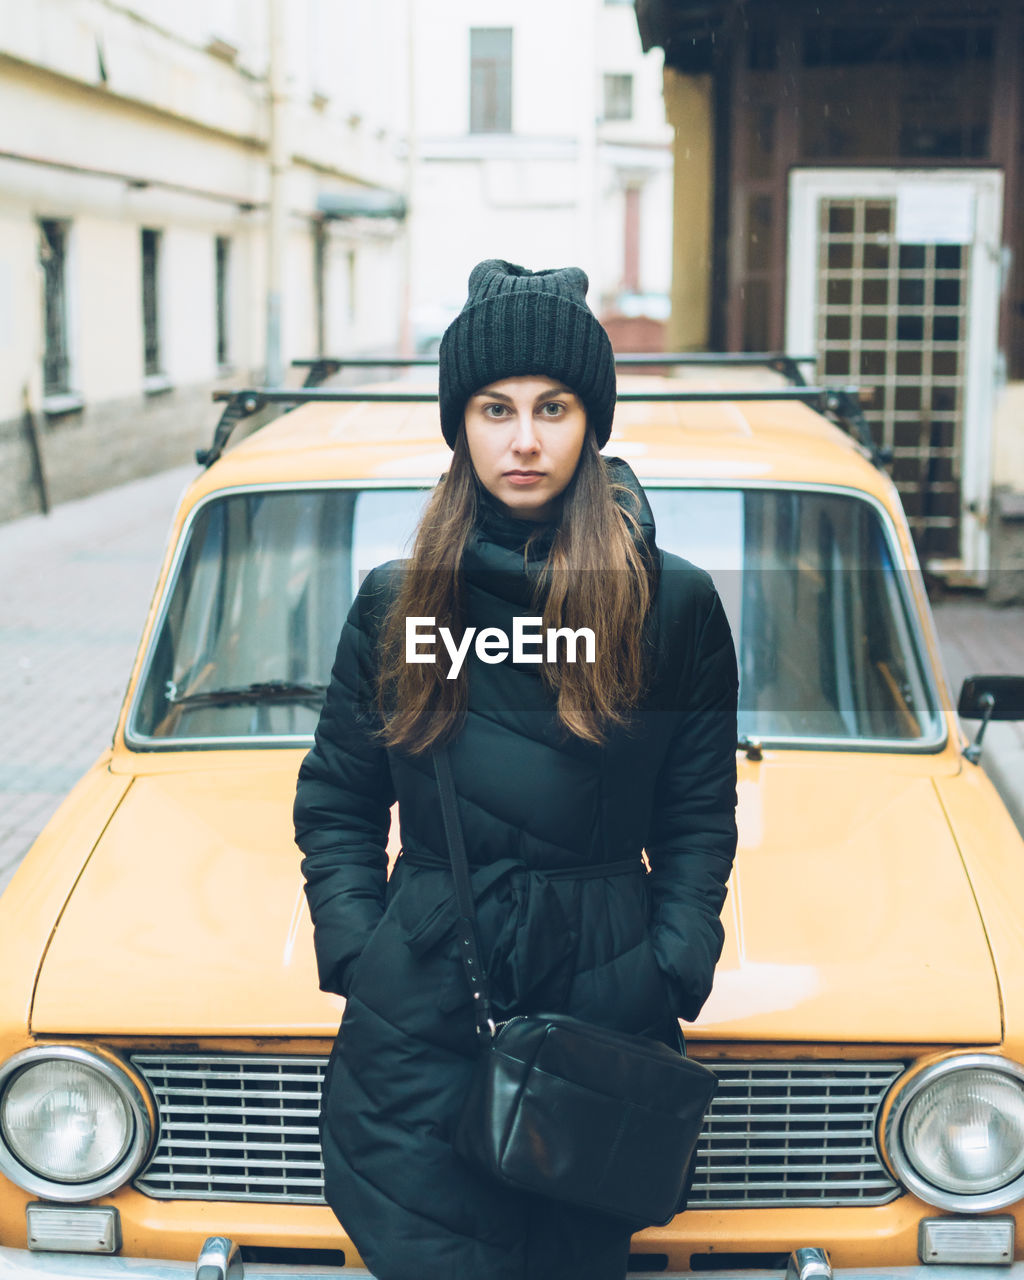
x=565, y=1108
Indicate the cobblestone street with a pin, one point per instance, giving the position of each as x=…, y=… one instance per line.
x=978, y=638
x=75, y=588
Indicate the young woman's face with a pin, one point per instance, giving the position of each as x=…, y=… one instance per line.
x=525, y=436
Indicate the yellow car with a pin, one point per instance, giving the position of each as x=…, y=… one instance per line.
x=162, y=1036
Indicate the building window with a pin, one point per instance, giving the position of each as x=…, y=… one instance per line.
x=53, y=240
x=151, y=302
x=222, y=267
x=618, y=97
x=490, y=80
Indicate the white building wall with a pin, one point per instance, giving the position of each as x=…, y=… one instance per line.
x=148, y=115
x=105, y=324
x=120, y=117
x=550, y=192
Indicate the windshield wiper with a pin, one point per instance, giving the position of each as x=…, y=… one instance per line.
x=260, y=691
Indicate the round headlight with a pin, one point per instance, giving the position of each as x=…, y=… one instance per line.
x=956, y=1133
x=66, y=1121
x=73, y=1124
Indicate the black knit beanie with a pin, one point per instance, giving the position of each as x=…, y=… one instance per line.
x=519, y=322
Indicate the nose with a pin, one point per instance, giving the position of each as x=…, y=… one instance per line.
x=524, y=439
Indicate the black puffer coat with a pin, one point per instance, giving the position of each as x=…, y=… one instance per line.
x=545, y=817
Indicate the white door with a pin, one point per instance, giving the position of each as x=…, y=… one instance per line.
x=893, y=280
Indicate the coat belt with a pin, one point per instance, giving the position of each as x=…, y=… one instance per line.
x=531, y=956
x=487, y=873
x=534, y=921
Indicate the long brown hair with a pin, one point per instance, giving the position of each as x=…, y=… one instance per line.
x=596, y=575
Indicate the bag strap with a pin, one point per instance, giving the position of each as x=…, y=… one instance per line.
x=469, y=947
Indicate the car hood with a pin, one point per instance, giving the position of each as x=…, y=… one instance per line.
x=849, y=918
x=189, y=917
x=850, y=915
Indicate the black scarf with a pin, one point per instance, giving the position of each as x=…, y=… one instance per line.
x=507, y=555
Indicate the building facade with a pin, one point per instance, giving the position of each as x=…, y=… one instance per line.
x=849, y=184
x=539, y=136
x=136, y=150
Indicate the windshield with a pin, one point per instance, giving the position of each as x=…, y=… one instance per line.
x=244, y=646
x=817, y=608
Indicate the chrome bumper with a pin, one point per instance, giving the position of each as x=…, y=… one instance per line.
x=219, y=1259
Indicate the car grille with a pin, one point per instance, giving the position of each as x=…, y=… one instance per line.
x=777, y=1135
x=788, y=1134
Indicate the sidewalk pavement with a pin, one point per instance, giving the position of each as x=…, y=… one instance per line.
x=74, y=590
x=978, y=639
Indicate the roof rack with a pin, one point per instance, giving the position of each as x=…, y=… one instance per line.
x=320, y=368
x=841, y=405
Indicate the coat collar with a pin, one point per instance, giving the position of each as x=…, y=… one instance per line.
x=621, y=473
x=501, y=542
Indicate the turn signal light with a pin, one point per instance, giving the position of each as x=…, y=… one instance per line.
x=986, y=1241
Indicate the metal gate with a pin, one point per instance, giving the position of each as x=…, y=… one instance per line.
x=893, y=280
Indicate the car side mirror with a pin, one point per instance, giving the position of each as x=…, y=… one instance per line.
x=1007, y=694
x=988, y=698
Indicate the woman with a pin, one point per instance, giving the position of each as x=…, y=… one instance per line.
x=565, y=771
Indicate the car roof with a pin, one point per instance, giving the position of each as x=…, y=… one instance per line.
x=763, y=442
